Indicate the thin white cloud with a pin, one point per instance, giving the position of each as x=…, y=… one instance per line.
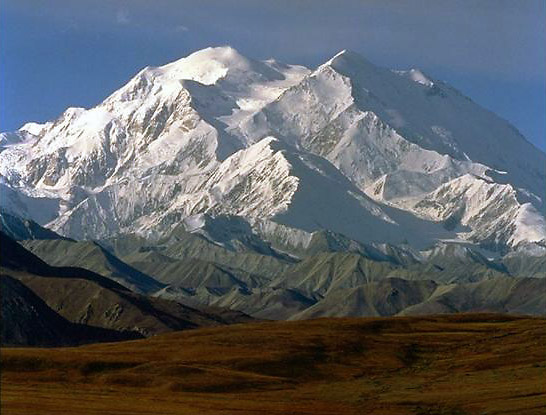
x=181, y=28
x=122, y=17
x=71, y=26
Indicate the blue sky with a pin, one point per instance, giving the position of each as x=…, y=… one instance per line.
x=64, y=53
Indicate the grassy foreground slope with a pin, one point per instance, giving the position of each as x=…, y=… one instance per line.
x=455, y=364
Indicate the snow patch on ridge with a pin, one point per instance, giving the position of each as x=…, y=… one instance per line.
x=530, y=226
x=416, y=75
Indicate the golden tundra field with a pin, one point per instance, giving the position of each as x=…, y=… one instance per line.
x=448, y=365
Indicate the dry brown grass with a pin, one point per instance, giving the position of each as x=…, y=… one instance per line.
x=449, y=365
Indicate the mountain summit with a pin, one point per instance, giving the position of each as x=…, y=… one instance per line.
x=375, y=154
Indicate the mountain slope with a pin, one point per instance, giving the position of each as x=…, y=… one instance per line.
x=21, y=229
x=500, y=295
x=16, y=258
x=93, y=257
x=394, y=296
x=387, y=297
x=83, y=297
x=28, y=321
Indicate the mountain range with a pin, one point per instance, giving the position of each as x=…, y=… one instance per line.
x=218, y=182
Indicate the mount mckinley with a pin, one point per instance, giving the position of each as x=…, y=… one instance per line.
x=374, y=154
x=273, y=191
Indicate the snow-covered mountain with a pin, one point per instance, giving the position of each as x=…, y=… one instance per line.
x=375, y=154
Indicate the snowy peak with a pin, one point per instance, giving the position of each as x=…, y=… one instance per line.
x=238, y=77
x=355, y=66
x=178, y=113
x=423, y=112
x=210, y=65
x=349, y=63
x=429, y=114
